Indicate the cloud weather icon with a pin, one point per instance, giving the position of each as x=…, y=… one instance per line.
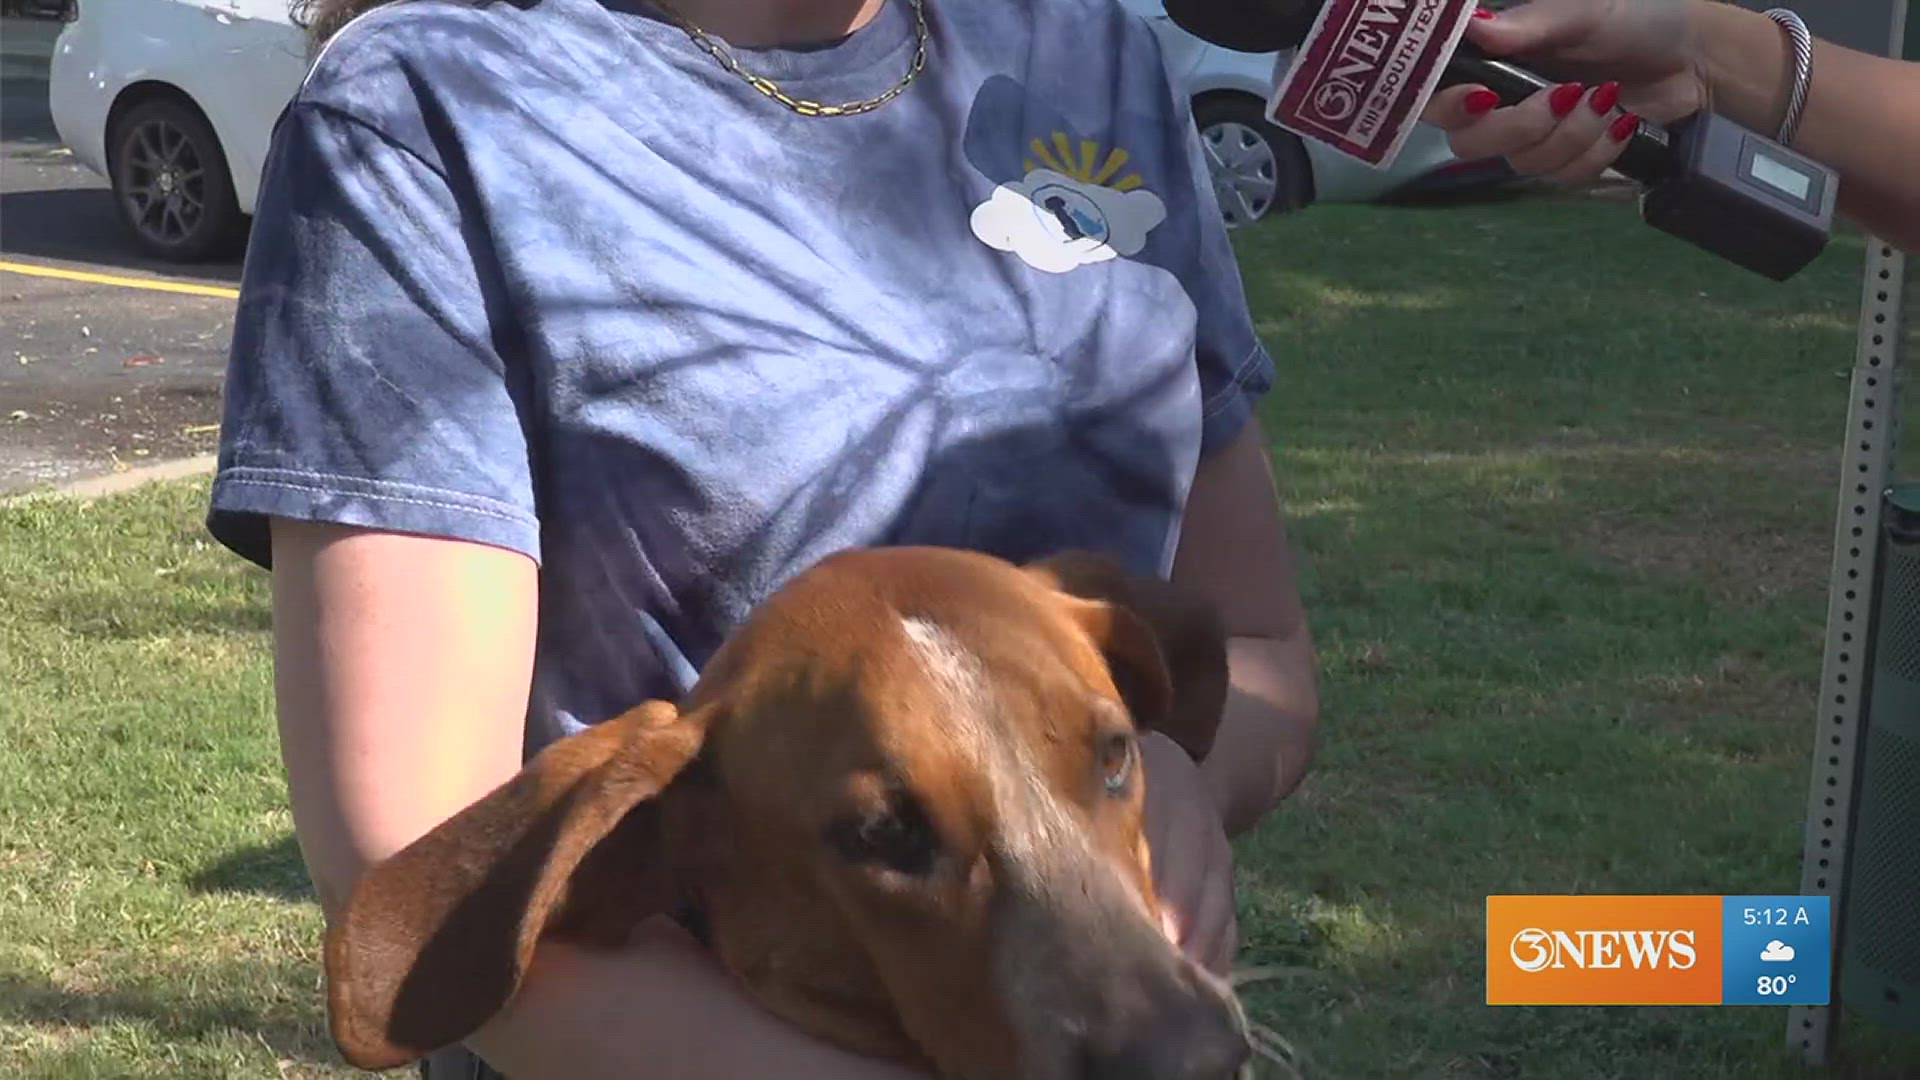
x=1056, y=223
x=1777, y=951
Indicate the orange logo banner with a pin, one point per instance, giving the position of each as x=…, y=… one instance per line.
x=1603, y=950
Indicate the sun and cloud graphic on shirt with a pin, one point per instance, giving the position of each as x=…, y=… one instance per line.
x=1060, y=201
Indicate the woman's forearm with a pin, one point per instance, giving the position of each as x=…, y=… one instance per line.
x=1234, y=551
x=660, y=1009
x=1862, y=115
x=1269, y=730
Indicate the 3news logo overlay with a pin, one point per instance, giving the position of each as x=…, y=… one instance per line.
x=1658, y=950
x=1603, y=950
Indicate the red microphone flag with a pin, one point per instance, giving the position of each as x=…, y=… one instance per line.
x=1365, y=72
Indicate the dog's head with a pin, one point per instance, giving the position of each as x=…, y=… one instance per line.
x=906, y=798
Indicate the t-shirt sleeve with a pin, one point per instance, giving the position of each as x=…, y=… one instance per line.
x=1235, y=367
x=365, y=386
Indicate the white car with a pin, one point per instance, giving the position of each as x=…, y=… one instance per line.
x=174, y=101
x=1259, y=168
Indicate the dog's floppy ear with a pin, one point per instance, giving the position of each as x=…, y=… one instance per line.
x=434, y=940
x=1167, y=648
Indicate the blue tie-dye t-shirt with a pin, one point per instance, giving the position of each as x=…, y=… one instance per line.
x=544, y=275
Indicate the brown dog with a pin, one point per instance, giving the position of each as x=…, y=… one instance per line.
x=905, y=797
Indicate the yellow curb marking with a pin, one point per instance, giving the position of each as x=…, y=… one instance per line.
x=151, y=284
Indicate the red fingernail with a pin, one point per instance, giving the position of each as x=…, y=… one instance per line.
x=1481, y=102
x=1565, y=97
x=1482, y=13
x=1605, y=98
x=1623, y=128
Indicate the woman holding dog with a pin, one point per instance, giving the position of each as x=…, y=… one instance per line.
x=1666, y=59
x=571, y=328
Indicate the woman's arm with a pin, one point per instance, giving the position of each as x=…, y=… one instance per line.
x=402, y=667
x=1668, y=58
x=1862, y=117
x=1233, y=550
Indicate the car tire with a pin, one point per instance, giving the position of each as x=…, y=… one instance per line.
x=170, y=182
x=1258, y=169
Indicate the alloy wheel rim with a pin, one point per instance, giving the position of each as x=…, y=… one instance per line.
x=166, y=182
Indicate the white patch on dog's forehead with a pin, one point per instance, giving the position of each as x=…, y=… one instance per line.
x=1066, y=909
x=951, y=664
x=1034, y=824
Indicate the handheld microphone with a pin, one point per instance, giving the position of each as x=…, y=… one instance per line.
x=1365, y=70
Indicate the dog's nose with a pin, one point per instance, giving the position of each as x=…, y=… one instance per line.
x=1194, y=1040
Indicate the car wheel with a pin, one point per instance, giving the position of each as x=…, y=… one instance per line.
x=1258, y=169
x=170, y=181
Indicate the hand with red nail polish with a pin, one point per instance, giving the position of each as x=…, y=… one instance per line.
x=1617, y=55
x=1661, y=60
x=1564, y=97
x=1646, y=46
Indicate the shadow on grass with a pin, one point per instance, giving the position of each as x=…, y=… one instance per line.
x=274, y=869
x=175, y=1018
x=1468, y=196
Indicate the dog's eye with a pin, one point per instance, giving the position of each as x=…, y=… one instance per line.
x=898, y=837
x=1116, y=761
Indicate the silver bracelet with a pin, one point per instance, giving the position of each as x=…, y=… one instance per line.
x=1802, y=44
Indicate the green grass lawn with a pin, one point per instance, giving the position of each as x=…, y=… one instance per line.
x=1565, y=492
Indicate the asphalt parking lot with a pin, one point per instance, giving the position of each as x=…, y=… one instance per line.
x=105, y=364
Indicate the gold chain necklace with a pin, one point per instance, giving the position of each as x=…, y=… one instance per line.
x=801, y=105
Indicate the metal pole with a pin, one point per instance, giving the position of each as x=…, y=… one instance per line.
x=1873, y=416
x=1866, y=471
